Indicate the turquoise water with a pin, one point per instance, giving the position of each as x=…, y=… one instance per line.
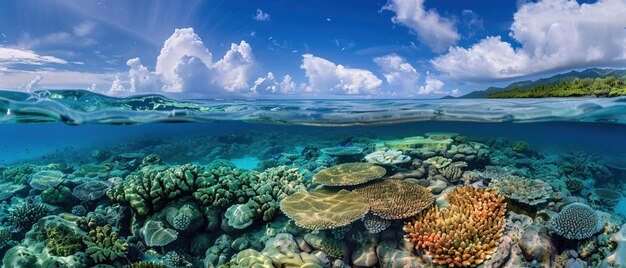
x=200, y=183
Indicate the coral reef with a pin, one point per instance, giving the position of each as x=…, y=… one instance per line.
x=22, y=216
x=375, y=224
x=387, y=157
x=464, y=233
x=576, y=221
x=324, y=208
x=157, y=235
x=104, y=245
x=91, y=190
x=439, y=161
x=45, y=179
x=349, y=174
x=395, y=199
x=523, y=190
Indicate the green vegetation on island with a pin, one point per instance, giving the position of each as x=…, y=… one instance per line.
x=587, y=87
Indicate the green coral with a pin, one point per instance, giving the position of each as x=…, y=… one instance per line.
x=522, y=147
x=56, y=195
x=62, y=241
x=331, y=246
x=239, y=216
x=19, y=174
x=146, y=264
x=270, y=187
x=104, y=245
x=149, y=189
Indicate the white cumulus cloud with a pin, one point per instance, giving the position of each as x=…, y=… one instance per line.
x=437, y=32
x=185, y=64
x=261, y=16
x=117, y=86
x=269, y=84
x=398, y=72
x=432, y=86
x=554, y=35
x=327, y=77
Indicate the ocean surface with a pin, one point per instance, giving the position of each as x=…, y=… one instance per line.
x=150, y=181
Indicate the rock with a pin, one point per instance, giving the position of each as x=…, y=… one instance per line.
x=303, y=245
x=618, y=258
x=390, y=256
x=575, y=263
x=398, y=175
x=365, y=256
x=537, y=246
x=501, y=255
x=437, y=186
x=339, y=264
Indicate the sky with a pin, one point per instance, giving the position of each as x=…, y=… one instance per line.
x=302, y=49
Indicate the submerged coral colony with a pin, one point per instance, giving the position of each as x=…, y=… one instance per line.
x=440, y=199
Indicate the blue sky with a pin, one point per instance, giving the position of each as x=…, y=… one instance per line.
x=302, y=49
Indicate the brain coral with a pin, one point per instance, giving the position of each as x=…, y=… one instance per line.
x=576, y=221
x=156, y=235
x=523, y=190
x=396, y=199
x=239, y=216
x=463, y=234
x=349, y=174
x=324, y=208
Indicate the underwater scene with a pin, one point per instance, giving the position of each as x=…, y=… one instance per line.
x=312, y=134
x=153, y=182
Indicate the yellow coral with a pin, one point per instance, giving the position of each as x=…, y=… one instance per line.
x=465, y=233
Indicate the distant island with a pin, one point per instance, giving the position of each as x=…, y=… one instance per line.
x=586, y=87
x=592, y=82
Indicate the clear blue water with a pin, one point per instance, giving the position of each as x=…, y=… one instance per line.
x=83, y=130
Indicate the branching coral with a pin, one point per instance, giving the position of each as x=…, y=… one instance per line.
x=463, y=234
x=24, y=215
x=523, y=190
x=395, y=199
x=576, y=221
x=349, y=174
x=104, y=245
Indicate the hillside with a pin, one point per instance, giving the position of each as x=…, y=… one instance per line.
x=553, y=80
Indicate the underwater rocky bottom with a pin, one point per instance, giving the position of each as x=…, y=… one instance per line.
x=252, y=195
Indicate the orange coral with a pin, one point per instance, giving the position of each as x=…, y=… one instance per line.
x=465, y=233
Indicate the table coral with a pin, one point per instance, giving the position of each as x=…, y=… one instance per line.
x=349, y=174
x=463, y=234
x=324, y=208
x=395, y=199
